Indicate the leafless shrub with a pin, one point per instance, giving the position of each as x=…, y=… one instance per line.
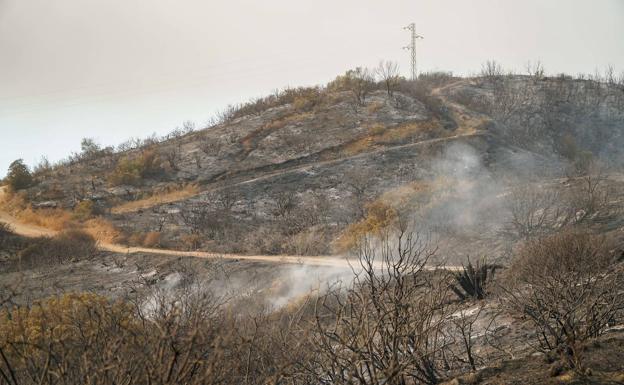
x=358, y=183
x=195, y=217
x=591, y=196
x=227, y=199
x=568, y=287
x=463, y=325
x=314, y=240
x=388, y=72
x=227, y=114
x=84, y=336
x=285, y=203
x=190, y=339
x=210, y=146
x=534, y=209
x=542, y=209
x=42, y=168
x=178, y=132
x=387, y=327
x=207, y=221
x=535, y=70
x=299, y=226
x=172, y=154
x=359, y=82
x=491, y=71
x=188, y=126
x=510, y=99
x=267, y=240
x=312, y=96
x=294, y=215
x=132, y=170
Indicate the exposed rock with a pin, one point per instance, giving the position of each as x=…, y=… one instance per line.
x=45, y=205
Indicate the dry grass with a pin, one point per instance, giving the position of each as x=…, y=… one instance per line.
x=374, y=107
x=12, y=202
x=379, y=135
x=376, y=129
x=173, y=195
x=468, y=123
x=359, y=146
x=379, y=217
x=101, y=229
x=421, y=191
x=415, y=131
x=152, y=239
x=53, y=219
x=57, y=219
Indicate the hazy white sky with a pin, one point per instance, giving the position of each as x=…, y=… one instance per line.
x=112, y=69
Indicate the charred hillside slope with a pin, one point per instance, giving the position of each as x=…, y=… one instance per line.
x=304, y=170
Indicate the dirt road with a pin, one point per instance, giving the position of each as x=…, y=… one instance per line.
x=29, y=230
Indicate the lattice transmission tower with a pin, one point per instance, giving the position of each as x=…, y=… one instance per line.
x=412, y=48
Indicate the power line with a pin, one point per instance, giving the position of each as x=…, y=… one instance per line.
x=412, y=48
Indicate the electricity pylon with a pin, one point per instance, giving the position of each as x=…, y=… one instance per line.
x=412, y=48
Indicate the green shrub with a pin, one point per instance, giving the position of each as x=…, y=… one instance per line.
x=19, y=177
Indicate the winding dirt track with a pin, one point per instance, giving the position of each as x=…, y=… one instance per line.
x=29, y=230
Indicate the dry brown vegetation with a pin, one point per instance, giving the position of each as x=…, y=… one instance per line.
x=84, y=217
x=273, y=138
x=389, y=327
x=569, y=287
x=379, y=217
x=45, y=252
x=380, y=135
x=397, y=322
x=66, y=246
x=196, y=340
x=158, y=198
x=133, y=170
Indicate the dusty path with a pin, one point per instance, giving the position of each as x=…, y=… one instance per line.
x=29, y=230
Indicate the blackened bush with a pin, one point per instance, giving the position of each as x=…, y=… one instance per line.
x=8, y=240
x=66, y=246
x=570, y=289
x=472, y=281
x=5, y=229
